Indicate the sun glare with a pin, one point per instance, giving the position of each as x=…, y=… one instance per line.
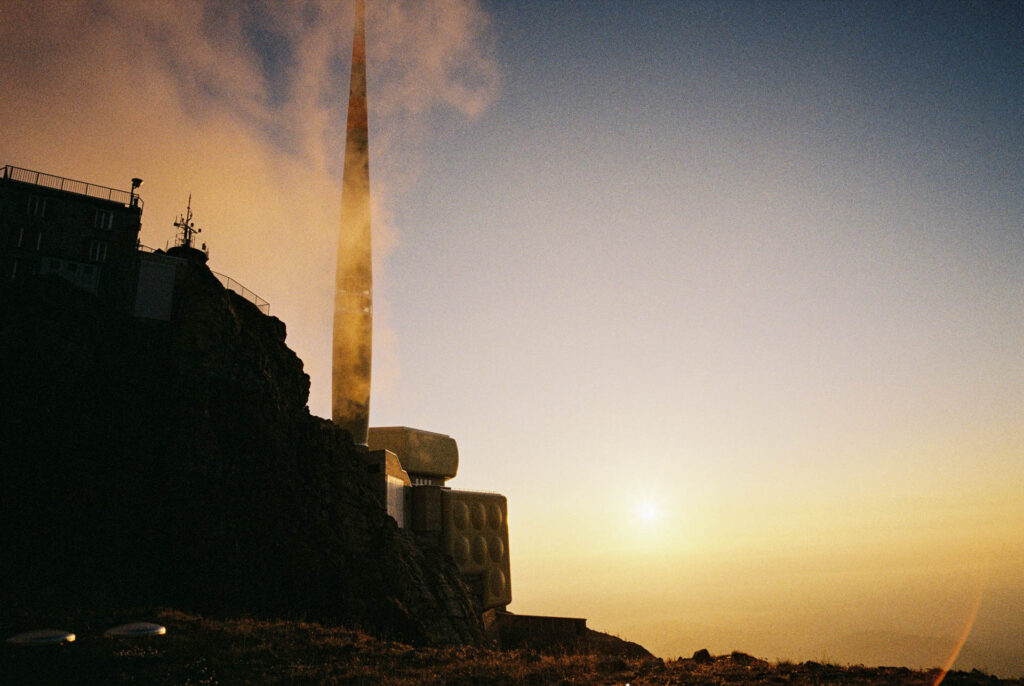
x=647, y=512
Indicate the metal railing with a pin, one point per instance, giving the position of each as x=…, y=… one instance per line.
x=233, y=285
x=229, y=283
x=71, y=186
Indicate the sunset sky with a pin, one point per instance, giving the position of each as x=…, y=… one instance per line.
x=726, y=298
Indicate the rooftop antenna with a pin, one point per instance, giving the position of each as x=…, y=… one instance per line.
x=186, y=235
x=186, y=226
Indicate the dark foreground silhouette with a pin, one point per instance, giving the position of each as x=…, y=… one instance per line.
x=176, y=464
x=199, y=650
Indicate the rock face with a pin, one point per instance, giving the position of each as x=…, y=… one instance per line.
x=176, y=463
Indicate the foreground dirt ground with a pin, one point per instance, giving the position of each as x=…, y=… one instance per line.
x=198, y=651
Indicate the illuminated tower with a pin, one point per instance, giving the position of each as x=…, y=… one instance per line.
x=471, y=526
x=353, y=290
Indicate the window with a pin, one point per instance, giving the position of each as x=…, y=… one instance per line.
x=98, y=251
x=104, y=219
x=21, y=238
x=37, y=206
x=39, y=241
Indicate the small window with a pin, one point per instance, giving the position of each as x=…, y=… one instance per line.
x=39, y=241
x=104, y=219
x=21, y=238
x=37, y=206
x=98, y=251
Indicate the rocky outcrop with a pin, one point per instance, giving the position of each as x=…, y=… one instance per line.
x=176, y=463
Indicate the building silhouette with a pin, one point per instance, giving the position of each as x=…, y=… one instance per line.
x=88, y=235
x=82, y=232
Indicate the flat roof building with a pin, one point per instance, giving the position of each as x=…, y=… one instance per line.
x=82, y=232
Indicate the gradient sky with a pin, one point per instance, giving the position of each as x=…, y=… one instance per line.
x=727, y=298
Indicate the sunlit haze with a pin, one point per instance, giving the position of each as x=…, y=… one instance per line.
x=726, y=298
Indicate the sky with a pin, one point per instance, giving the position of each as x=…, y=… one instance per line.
x=726, y=298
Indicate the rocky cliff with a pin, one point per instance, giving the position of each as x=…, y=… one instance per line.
x=176, y=463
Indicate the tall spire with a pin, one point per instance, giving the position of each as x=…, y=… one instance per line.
x=353, y=294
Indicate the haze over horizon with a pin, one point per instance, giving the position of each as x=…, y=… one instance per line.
x=726, y=298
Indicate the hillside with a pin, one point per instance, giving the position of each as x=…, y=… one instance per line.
x=242, y=651
x=176, y=463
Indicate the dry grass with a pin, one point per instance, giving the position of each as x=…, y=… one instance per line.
x=204, y=651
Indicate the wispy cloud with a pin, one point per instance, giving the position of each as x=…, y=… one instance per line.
x=244, y=105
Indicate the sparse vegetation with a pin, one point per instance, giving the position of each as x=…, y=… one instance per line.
x=207, y=651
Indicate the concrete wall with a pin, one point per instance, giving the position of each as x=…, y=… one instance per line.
x=154, y=295
x=515, y=631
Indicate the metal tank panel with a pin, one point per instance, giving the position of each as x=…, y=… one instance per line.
x=475, y=527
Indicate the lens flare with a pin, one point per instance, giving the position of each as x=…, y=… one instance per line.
x=966, y=632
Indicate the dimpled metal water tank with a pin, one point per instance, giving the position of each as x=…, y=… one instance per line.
x=475, y=534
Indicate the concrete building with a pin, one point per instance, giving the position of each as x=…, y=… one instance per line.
x=82, y=232
x=471, y=526
x=88, y=235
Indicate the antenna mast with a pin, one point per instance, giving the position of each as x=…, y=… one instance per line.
x=186, y=226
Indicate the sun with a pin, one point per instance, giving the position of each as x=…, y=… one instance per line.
x=647, y=512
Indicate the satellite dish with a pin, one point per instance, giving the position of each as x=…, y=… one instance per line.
x=42, y=637
x=135, y=630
